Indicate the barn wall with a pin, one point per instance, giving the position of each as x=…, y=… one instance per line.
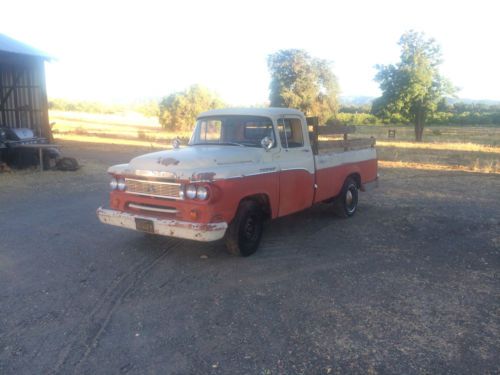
x=23, y=97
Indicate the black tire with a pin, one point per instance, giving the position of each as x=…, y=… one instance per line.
x=67, y=164
x=245, y=231
x=346, y=203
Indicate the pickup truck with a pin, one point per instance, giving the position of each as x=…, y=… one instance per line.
x=240, y=168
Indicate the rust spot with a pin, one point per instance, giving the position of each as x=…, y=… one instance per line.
x=167, y=161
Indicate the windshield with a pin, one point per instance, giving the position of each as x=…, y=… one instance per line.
x=232, y=131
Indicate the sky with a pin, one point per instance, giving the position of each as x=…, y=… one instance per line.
x=125, y=50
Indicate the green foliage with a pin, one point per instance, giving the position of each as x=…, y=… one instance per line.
x=466, y=118
x=67, y=105
x=178, y=111
x=355, y=119
x=413, y=88
x=365, y=108
x=302, y=82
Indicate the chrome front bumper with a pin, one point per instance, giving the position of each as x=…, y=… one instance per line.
x=165, y=227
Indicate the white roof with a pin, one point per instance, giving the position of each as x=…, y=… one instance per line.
x=268, y=112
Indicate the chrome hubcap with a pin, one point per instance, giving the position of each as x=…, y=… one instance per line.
x=348, y=198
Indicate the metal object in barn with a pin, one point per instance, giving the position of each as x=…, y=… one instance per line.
x=24, y=149
x=24, y=118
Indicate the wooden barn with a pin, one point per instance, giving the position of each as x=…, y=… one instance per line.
x=23, y=95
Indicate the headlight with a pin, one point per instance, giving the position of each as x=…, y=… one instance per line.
x=121, y=184
x=113, y=184
x=191, y=191
x=202, y=193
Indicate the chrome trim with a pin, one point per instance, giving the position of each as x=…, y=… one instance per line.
x=297, y=169
x=235, y=162
x=245, y=175
x=262, y=173
x=179, y=197
x=269, y=169
x=154, y=195
x=153, y=182
x=154, y=209
x=148, y=173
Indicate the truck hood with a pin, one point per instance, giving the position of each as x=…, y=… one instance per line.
x=193, y=161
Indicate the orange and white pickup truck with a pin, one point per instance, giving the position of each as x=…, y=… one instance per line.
x=240, y=168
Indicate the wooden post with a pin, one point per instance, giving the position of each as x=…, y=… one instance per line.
x=47, y=131
x=40, y=155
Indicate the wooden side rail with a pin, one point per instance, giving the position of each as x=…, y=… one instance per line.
x=347, y=145
x=316, y=130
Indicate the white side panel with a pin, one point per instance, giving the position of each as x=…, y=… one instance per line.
x=335, y=159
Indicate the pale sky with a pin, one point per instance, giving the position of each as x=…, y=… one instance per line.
x=121, y=50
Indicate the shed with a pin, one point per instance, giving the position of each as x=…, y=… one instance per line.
x=23, y=93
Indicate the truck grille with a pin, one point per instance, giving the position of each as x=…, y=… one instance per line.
x=153, y=188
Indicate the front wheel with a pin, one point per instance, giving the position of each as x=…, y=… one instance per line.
x=245, y=231
x=347, y=202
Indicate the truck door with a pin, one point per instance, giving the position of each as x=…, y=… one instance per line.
x=296, y=163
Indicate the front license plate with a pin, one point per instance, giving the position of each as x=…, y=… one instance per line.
x=144, y=225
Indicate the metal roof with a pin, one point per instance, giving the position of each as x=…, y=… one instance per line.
x=9, y=45
x=271, y=112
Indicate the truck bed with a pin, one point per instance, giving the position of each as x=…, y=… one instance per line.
x=327, y=145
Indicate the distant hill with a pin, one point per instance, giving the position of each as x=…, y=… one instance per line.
x=356, y=100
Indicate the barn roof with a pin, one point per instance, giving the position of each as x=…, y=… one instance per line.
x=9, y=45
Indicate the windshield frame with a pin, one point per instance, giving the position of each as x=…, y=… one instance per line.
x=197, y=131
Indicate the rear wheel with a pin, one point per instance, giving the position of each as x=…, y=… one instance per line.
x=245, y=231
x=347, y=202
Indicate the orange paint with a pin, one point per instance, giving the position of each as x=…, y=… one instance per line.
x=287, y=192
x=296, y=191
x=331, y=180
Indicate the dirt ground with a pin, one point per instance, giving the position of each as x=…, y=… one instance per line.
x=409, y=285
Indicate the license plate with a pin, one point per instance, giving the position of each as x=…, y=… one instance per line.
x=144, y=225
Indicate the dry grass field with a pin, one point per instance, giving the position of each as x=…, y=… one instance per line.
x=467, y=148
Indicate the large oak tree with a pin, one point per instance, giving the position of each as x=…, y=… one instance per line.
x=413, y=87
x=303, y=82
x=178, y=111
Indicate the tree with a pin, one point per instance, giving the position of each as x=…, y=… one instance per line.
x=413, y=87
x=300, y=81
x=149, y=108
x=178, y=111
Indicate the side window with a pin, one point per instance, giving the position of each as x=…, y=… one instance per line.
x=290, y=130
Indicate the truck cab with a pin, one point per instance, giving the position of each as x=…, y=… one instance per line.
x=240, y=167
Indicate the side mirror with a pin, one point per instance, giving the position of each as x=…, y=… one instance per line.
x=267, y=143
x=176, y=143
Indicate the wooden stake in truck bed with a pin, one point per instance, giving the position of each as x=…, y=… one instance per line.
x=241, y=167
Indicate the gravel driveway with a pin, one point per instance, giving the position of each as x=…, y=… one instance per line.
x=409, y=285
